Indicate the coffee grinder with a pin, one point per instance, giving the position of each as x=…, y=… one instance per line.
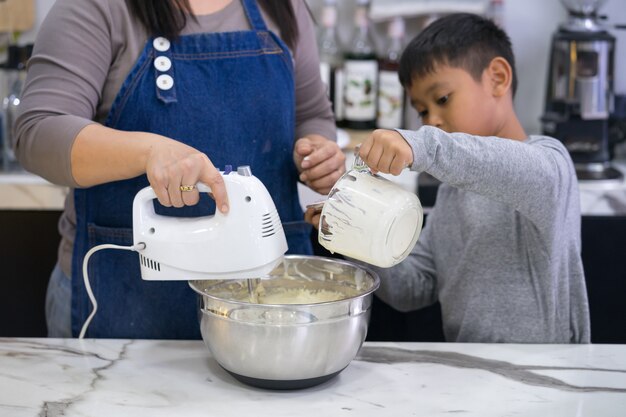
x=579, y=98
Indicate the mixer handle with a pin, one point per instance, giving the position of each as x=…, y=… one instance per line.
x=203, y=188
x=145, y=196
x=151, y=195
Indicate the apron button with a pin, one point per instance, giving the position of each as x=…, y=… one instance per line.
x=161, y=44
x=162, y=63
x=165, y=82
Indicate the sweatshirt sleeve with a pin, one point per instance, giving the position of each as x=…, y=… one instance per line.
x=411, y=284
x=313, y=109
x=531, y=176
x=66, y=73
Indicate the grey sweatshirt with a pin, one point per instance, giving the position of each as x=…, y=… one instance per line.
x=84, y=52
x=501, y=248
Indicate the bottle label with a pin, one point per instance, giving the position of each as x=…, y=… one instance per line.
x=360, y=90
x=338, y=99
x=390, y=101
x=325, y=75
x=329, y=17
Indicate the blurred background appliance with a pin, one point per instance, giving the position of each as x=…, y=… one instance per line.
x=16, y=17
x=580, y=101
x=12, y=77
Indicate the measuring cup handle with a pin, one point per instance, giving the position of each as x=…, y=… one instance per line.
x=358, y=164
x=203, y=188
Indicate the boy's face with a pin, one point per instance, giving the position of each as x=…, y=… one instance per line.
x=452, y=100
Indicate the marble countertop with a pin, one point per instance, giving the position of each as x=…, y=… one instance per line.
x=25, y=191
x=90, y=378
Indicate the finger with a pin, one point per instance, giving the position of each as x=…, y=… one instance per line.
x=365, y=147
x=312, y=217
x=302, y=149
x=397, y=165
x=386, y=159
x=303, y=146
x=308, y=214
x=212, y=177
x=191, y=172
x=159, y=185
x=173, y=186
x=334, y=163
x=323, y=185
x=321, y=154
x=373, y=156
x=371, y=141
x=315, y=221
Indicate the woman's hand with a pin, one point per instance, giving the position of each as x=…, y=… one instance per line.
x=172, y=164
x=312, y=214
x=101, y=155
x=320, y=162
x=386, y=151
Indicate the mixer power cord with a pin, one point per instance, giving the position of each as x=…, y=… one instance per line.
x=138, y=247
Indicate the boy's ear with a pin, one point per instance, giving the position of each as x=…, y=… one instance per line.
x=500, y=75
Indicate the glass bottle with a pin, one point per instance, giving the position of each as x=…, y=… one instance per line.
x=331, y=58
x=495, y=12
x=361, y=74
x=391, y=97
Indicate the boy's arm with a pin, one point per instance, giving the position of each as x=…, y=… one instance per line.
x=529, y=178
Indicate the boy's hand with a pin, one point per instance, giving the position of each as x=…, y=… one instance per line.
x=386, y=151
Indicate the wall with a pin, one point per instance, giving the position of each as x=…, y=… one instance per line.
x=530, y=24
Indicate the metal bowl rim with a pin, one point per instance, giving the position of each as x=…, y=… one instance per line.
x=318, y=322
x=373, y=274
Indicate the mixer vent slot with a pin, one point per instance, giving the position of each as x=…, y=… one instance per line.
x=149, y=263
x=269, y=224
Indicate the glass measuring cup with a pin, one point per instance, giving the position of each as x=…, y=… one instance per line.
x=369, y=218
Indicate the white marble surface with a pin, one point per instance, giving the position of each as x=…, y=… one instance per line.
x=24, y=191
x=70, y=377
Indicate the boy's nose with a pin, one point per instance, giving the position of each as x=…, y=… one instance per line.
x=434, y=120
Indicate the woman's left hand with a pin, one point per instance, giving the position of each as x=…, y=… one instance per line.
x=312, y=216
x=320, y=162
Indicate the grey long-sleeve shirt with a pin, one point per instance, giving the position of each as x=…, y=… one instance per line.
x=84, y=52
x=501, y=248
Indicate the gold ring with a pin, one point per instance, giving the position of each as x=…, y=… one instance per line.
x=187, y=187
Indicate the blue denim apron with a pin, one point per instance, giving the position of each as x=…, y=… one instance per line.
x=229, y=95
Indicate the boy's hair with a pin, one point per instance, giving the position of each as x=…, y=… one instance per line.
x=460, y=40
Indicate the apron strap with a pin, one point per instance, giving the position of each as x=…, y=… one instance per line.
x=254, y=15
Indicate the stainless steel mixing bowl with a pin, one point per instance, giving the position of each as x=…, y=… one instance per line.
x=286, y=345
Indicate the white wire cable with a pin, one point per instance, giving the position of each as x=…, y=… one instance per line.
x=94, y=303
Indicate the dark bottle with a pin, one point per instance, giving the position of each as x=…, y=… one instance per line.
x=331, y=58
x=361, y=74
x=391, y=96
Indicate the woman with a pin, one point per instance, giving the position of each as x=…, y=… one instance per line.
x=162, y=93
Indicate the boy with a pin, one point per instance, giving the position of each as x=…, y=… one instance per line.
x=501, y=247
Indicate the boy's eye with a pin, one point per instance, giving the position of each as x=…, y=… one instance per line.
x=442, y=100
x=422, y=113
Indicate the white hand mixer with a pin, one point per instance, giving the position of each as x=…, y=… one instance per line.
x=248, y=242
